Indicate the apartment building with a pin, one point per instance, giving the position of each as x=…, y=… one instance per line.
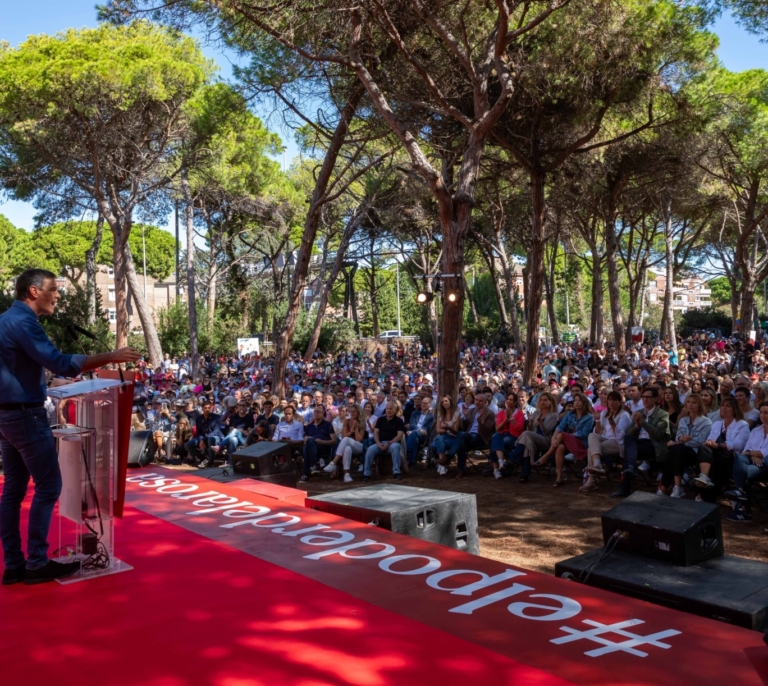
x=690, y=292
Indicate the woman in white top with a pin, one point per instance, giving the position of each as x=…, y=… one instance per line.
x=727, y=436
x=749, y=464
x=692, y=430
x=352, y=434
x=607, y=439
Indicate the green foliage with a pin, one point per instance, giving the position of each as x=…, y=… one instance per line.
x=63, y=246
x=173, y=330
x=109, y=95
x=337, y=333
x=721, y=291
x=704, y=319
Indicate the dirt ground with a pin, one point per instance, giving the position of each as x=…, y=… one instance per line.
x=534, y=525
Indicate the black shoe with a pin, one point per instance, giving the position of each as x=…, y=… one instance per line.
x=631, y=471
x=739, y=515
x=736, y=495
x=50, y=572
x=398, y=476
x=366, y=478
x=623, y=490
x=13, y=576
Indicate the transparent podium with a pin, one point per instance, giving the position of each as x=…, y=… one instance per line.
x=88, y=454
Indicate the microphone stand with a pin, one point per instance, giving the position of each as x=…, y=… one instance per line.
x=73, y=334
x=74, y=329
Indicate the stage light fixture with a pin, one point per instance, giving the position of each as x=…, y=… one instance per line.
x=452, y=297
x=423, y=297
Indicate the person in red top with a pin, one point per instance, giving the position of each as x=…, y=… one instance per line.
x=510, y=423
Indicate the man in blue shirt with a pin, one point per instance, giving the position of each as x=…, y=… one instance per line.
x=319, y=438
x=26, y=441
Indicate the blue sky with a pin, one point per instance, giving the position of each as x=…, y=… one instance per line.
x=739, y=50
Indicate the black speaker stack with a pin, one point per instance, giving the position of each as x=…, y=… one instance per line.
x=270, y=461
x=140, y=449
x=669, y=551
x=436, y=516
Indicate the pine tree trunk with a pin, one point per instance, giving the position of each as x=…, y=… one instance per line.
x=614, y=293
x=90, y=269
x=549, y=284
x=669, y=299
x=311, y=223
x=189, y=212
x=145, y=315
x=511, y=281
x=327, y=285
x=536, y=273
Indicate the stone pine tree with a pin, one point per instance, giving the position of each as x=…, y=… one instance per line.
x=92, y=118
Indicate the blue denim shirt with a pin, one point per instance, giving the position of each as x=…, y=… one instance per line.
x=581, y=428
x=25, y=350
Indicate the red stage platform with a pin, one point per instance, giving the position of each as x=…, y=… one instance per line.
x=232, y=588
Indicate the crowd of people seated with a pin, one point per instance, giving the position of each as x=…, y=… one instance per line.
x=692, y=421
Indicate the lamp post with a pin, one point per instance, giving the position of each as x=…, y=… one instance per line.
x=397, y=277
x=144, y=250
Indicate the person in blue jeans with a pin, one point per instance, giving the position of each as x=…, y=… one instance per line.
x=447, y=424
x=387, y=435
x=319, y=439
x=239, y=424
x=26, y=440
x=418, y=429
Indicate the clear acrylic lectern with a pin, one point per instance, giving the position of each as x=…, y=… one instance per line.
x=88, y=452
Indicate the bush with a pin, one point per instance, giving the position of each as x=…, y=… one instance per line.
x=705, y=319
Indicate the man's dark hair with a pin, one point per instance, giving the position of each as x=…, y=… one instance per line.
x=31, y=277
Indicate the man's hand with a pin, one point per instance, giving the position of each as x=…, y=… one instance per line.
x=126, y=354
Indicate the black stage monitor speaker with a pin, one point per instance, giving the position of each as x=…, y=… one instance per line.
x=270, y=461
x=140, y=449
x=730, y=589
x=675, y=530
x=435, y=516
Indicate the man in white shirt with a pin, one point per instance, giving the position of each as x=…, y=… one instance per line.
x=290, y=429
x=684, y=388
x=634, y=401
x=381, y=404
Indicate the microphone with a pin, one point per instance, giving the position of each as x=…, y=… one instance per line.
x=84, y=332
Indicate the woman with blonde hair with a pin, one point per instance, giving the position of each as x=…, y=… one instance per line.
x=182, y=436
x=711, y=406
x=352, y=434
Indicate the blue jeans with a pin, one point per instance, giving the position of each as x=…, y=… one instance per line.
x=503, y=442
x=232, y=442
x=373, y=451
x=445, y=444
x=193, y=446
x=29, y=449
x=744, y=470
x=412, y=442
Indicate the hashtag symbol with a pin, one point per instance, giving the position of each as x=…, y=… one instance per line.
x=628, y=646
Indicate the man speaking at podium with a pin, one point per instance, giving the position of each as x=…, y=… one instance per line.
x=26, y=440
